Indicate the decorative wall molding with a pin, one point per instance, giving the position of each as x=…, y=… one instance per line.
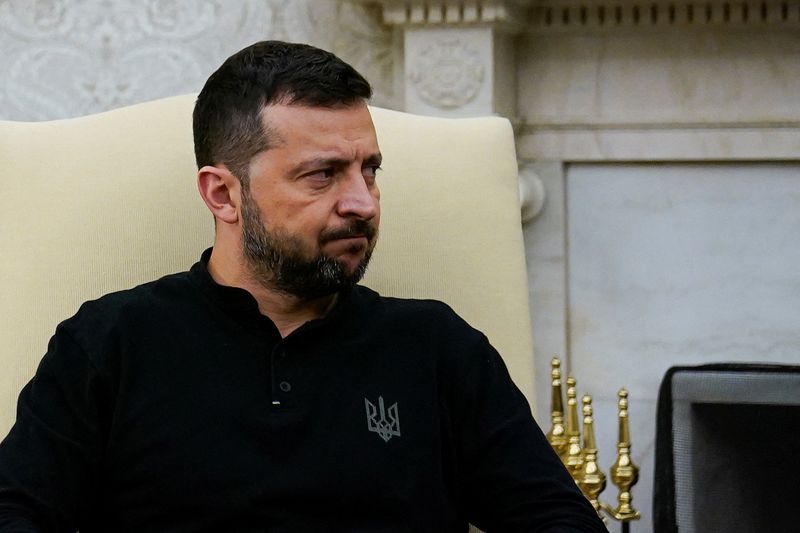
x=450, y=12
x=572, y=15
x=448, y=73
x=577, y=15
x=459, y=57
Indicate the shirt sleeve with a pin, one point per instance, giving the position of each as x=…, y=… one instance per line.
x=511, y=478
x=49, y=460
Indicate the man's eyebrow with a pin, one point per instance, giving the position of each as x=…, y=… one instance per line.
x=325, y=162
x=374, y=159
x=317, y=163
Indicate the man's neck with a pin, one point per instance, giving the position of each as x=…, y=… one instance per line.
x=286, y=311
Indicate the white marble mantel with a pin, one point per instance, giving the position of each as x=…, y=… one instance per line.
x=610, y=81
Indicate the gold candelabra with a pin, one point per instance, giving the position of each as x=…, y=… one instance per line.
x=581, y=458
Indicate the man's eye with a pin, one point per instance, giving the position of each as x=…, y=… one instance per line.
x=324, y=174
x=371, y=170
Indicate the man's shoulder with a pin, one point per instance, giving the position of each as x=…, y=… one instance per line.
x=131, y=304
x=401, y=305
x=429, y=330
x=418, y=313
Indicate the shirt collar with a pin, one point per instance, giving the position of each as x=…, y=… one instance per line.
x=243, y=306
x=228, y=297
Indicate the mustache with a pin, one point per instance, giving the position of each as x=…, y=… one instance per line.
x=354, y=228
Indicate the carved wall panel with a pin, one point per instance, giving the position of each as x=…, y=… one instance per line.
x=64, y=58
x=448, y=71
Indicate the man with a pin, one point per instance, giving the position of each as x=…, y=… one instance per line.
x=264, y=390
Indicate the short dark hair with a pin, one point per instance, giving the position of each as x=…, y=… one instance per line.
x=227, y=119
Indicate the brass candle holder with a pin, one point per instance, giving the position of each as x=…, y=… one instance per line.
x=574, y=456
x=590, y=479
x=557, y=436
x=624, y=474
x=581, y=461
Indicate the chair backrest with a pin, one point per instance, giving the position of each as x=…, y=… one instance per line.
x=107, y=201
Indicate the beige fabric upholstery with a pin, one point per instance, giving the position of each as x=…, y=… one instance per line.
x=104, y=202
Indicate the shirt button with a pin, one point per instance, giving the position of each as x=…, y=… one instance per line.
x=285, y=386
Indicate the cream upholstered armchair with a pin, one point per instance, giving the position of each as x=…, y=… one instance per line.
x=104, y=202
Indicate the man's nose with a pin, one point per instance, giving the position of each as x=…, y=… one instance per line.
x=357, y=197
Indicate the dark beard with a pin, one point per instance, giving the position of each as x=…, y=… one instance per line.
x=276, y=259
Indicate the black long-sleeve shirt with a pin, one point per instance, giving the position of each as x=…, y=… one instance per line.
x=176, y=406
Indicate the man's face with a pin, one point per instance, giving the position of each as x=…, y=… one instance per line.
x=310, y=217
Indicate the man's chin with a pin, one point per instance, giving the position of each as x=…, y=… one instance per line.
x=324, y=277
x=339, y=266
x=350, y=269
x=351, y=266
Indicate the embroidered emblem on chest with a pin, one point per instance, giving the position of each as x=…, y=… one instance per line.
x=386, y=423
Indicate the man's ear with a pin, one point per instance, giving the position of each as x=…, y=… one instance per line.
x=221, y=191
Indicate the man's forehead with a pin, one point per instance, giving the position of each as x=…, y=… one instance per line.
x=288, y=124
x=288, y=112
